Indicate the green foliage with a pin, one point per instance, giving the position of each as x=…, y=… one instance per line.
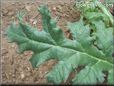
x=94, y=10
x=91, y=49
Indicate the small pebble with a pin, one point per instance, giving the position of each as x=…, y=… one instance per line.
x=13, y=45
x=22, y=76
x=54, y=8
x=11, y=13
x=34, y=22
x=28, y=8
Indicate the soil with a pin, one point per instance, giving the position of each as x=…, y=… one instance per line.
x=16, y=68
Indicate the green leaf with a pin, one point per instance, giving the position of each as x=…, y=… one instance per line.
x=89, y=75
x=101, y=33
x=95, y=16
x=51, y=43
x=94, y=10
x=105, y=11
x=111, y=77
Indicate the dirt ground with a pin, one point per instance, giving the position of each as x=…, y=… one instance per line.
x=16, y=69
